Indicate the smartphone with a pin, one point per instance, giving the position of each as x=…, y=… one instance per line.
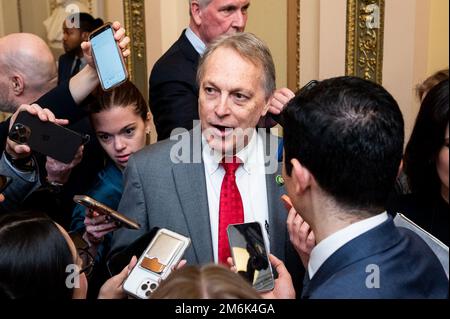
x=117, y=262
x=250, y=255
x=108, y=58
x=164, y=252
x=102, y=209
x=4, y=182
x=47, y=138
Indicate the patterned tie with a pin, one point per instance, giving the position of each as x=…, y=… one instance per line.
x=231, y=210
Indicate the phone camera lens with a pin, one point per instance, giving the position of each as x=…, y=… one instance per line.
x=144, y=287
x=153, y=286
x=148, y=293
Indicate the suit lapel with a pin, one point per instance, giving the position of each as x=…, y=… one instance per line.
x=277, y=217
x=370, y=243
x=191, y=188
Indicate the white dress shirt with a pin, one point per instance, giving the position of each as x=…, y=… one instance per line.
x=327, y=247
x=196, y=42
x=250, y=180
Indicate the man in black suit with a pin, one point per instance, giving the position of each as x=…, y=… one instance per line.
x=73, y=60
x=173, y=86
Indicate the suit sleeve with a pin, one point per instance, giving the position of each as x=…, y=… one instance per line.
x=173, y=104
x=133, y=206
x=60, y=101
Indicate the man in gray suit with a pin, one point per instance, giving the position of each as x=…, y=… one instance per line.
x=178, y=184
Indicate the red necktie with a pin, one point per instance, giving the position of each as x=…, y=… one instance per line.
x=231, y=210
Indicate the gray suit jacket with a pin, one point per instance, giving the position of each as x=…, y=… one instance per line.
x=159, y=193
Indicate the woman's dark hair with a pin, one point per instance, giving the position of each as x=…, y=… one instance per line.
x=123, y=96
x=426, y=141
x=34, y=256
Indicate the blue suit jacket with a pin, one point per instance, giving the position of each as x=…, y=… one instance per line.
x=407, y=268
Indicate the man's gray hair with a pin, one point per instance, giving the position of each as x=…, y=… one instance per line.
x=249, y=47
x=202, y=3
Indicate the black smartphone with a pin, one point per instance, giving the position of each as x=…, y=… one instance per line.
x=4, y=182
x=117, y=262
x=108, y=58
x=102, y=209
x=47, y=138
x=250, y=256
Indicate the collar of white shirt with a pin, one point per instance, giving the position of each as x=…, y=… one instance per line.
x=248, y=155
x=198, y=44
x=331, y=244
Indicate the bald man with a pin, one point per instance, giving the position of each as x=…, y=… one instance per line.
x=29, y=75
x=28, y=70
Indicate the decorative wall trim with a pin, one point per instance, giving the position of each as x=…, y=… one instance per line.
x=293, y=45
x=365, y=35
x=134, y=15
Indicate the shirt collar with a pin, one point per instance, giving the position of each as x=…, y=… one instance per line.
x=196, y=42
x=331, y=244
x=248, y=155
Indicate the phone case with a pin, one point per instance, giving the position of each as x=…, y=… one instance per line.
x=46, y=138
x=164, y=251
x=250, y=255
x=100, y=208
x=124, y=68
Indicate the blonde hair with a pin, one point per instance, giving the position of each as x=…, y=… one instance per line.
x=423, y=88
x=205, y=282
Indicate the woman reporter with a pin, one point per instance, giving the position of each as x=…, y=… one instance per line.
x=39, y=260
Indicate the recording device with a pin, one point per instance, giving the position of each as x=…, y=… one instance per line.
x=117, y=262
x=162, y=254
x=4, y=182
x=102, y=209
x=250, y=256
x=108, y=58
x=47, y=138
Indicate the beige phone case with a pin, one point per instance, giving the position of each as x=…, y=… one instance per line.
x=161, y=253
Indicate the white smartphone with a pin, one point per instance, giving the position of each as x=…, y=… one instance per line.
x=164, y=251
x=250, y=255
x=108, y=58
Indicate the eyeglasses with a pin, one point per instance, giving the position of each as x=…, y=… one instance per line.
x=83, y=252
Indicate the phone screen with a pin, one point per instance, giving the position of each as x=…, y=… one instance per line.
x=109, y=63
x=250, y=255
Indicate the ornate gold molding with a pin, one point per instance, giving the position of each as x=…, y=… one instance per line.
x=365, y=33
x=293, y=45
x=134, y=15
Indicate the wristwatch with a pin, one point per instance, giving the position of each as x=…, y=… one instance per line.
x=25, y=164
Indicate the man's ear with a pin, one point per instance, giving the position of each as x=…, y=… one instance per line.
x=301, y=176
x=196, y=12
x=85, y=36
x=17, y=85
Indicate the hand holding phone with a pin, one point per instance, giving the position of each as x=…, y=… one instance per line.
x=102, y=209
x=107, y=56
x=46, y=138
x=250, y=255
x=163, y=253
